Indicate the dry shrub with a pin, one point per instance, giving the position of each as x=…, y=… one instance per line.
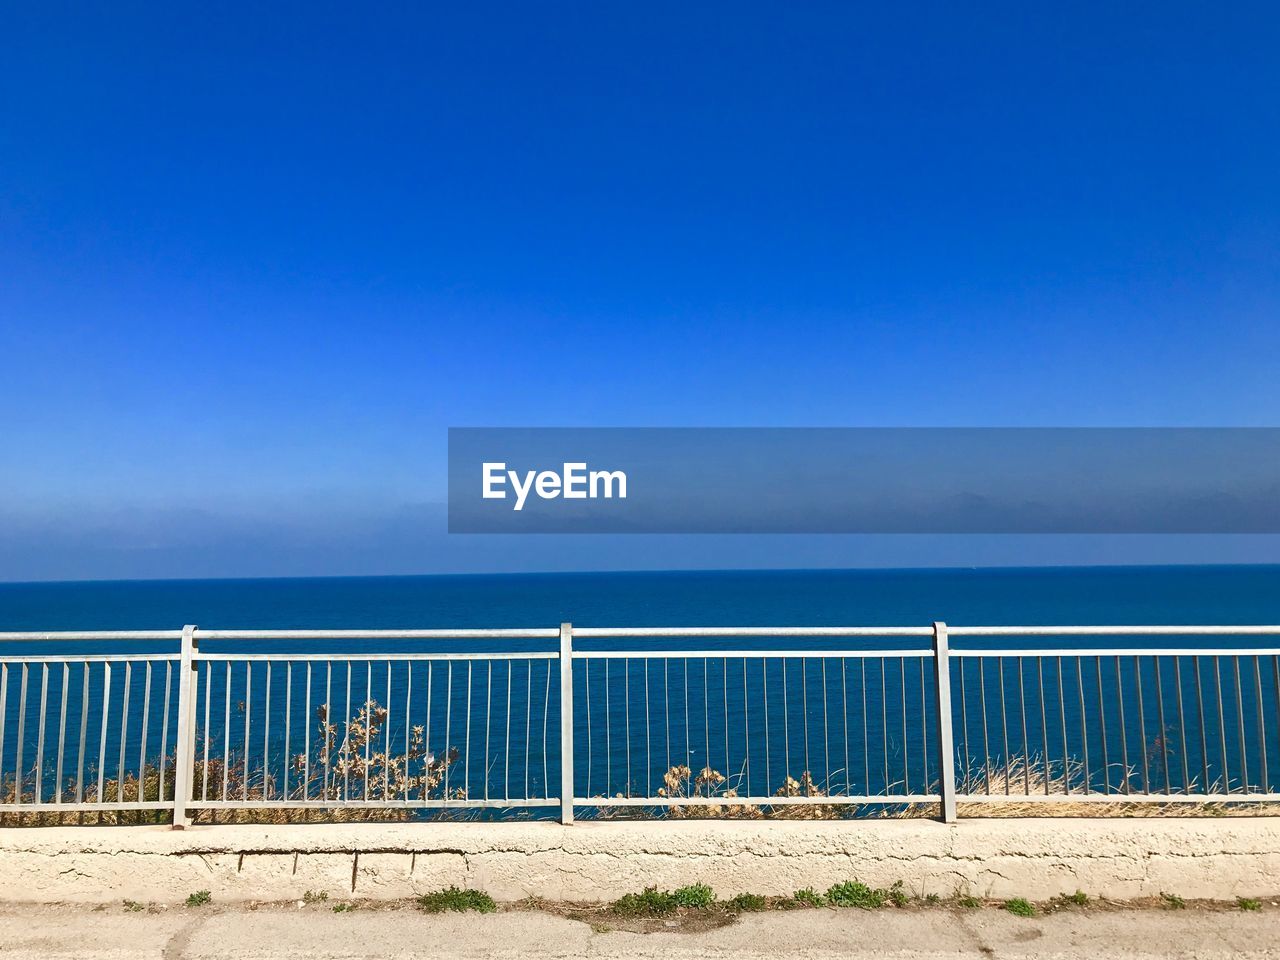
x=355, y=768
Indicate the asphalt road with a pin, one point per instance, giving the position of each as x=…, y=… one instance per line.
x=316, y=932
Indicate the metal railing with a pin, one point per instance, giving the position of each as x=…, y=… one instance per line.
x=794, y=720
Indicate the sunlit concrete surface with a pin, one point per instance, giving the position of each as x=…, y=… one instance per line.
x=1213, y=858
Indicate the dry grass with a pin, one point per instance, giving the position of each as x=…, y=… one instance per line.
x=343, y=765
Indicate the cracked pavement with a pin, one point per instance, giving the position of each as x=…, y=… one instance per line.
x=317, y=933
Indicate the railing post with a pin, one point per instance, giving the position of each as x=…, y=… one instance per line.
x=566, y=723
x=184, y=764
x=942, y=704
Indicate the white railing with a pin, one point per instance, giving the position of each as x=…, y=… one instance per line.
x=755, y=718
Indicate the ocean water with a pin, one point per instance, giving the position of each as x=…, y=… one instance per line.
x=856, y=726
x=1216, y=594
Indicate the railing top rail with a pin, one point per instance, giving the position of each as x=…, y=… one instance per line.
x=438, y=634
x=91, y=635
x=1115, y=630
x=590, y=633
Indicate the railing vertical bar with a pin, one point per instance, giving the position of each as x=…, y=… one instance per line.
x=1124, y=735
x=786, y=725
x=124, y=730
x=1084, y=728
x=1222, y=724
x=386, y=737
x=1142, y=727
x=844, y=700
x=426, y=741
x=967, y=773
x=1204, y=736
x=884, y=719
x=648, y=755
x=1062, y=718
x=84, y=725
x=586, y=699
x=368, y=721
x=346, y=735
x=102, y=733
x=724, y=677
x=528, y=720
x=62, y=732
x=286, y=757
x=764, y=695
x=1044, y=722
x=942, y=709
x=146, y=717
x=746, y=730
x=566, y=723
x=666, y=706
x=1164, y=729
x=924, y=725
x=1004, y=724
x=44, y=700
x=626, y=720
x=986, y=739
x=208, y=699
x=488, y=716
x=306, y=739
x=1026, y=742
x=804, y=713
x=1262, y=725
x=1102, y=721
x=448, y=726
x=164, y=724
x=248, y=714
x=408, y=726
x=328, y=731
x=866, y=730
x=706, y=721
x=184, y=757
x=1244, y=746
x=1182, y=726
x=1275, y=685
x=266, y=738
x=226, y=723
x=4, y=715
x=506, y=767
x=608, y=727
x=466, y=738
x=906, y=741
x=546, y=715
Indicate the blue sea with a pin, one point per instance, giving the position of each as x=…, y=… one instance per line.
x=1174, y=595
x=856, y=726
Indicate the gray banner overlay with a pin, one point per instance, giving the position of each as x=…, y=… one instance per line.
x=864, y=480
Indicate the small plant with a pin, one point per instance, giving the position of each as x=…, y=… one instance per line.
x=932, y=899
x=1020, y=907
x=748, y=903
x=697, y=896
x=457, y=900
x=200, y=898
x=1077, y=899
x=343, y=907
x=897, y=894
x=312, y=897
x=1248, y=903
x=133, y=906
x=650, y=902
x=852, y=893
x=1172, y=901
x=809, y=898
x=968, y=902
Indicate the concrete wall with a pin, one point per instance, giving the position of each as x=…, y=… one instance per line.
x=1118, y=858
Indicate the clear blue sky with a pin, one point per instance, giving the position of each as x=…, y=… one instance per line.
x=253, y=263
